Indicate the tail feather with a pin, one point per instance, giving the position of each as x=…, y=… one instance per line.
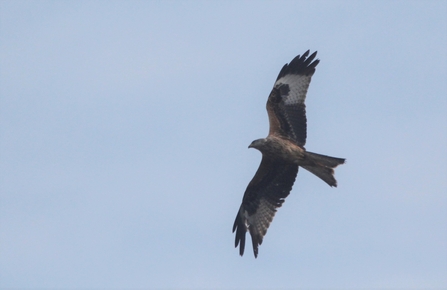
x=322, y=166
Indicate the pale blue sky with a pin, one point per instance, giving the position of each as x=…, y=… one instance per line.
x=124, y=133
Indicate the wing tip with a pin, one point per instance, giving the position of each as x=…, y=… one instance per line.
x=239, y=240
x=241, y=230
x=256, y=242
x=304, y=64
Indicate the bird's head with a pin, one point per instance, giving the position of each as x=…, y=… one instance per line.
x=258, y=144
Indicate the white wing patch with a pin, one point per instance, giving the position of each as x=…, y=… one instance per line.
x=298, y=85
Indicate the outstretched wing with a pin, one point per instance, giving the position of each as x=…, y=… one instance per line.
x=265, y=193
x=285, y=106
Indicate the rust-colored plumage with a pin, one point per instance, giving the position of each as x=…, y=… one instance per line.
x=282, y=153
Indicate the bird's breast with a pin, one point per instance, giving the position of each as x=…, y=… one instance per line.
x=283, y=149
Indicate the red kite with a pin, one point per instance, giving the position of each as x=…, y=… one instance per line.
x=282, y=153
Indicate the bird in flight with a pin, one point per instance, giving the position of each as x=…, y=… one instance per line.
x=283, y=153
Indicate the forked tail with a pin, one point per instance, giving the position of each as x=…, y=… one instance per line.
x=322, y=166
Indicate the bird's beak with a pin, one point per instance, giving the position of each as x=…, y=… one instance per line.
x=250, y=146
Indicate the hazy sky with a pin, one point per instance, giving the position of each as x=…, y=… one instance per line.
x=124, y=134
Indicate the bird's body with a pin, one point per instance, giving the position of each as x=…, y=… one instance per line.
x=283, y=153
x=281, y=148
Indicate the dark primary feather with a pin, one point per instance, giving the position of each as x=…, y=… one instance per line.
x=302, y=65
x=266, y=192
